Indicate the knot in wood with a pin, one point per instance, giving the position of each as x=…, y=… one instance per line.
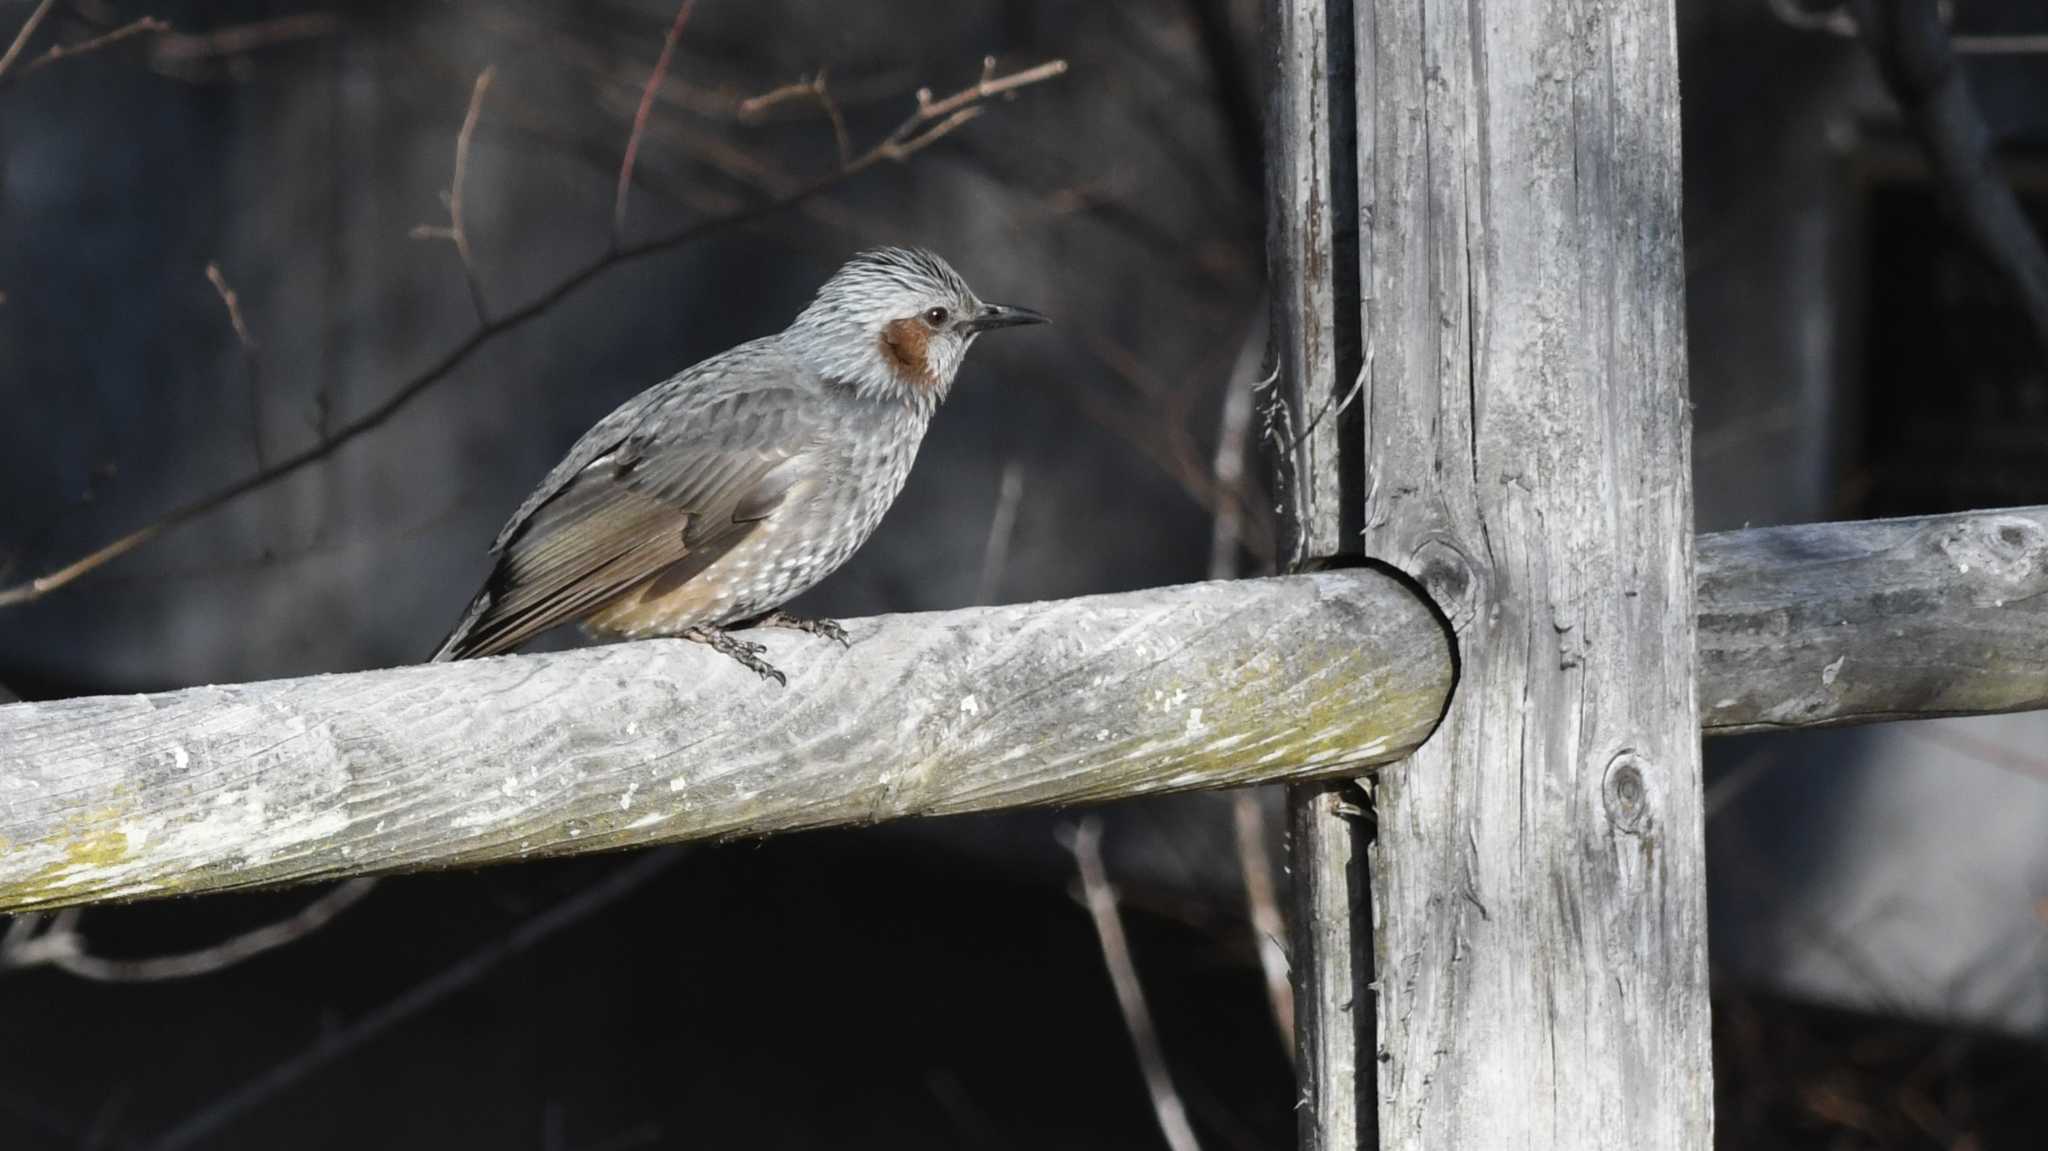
x=1625, y=792
x=1449, y=576
x=2005, y=550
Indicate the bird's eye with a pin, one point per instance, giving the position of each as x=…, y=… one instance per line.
x=936, y=316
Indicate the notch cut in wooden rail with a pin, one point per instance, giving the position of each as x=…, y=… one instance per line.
x=1207, y=685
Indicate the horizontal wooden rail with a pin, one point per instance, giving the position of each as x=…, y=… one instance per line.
x=458, y=764
x=1819, y=625
x=1208, y=685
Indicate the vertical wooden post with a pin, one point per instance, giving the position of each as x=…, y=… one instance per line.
x=1537, y=885
x=1308, y=177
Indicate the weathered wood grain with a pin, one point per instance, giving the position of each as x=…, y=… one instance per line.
x=1302, y=273
x=1824, y=624
x=1303, y=146
x=1538, y=877
x=1207, y=685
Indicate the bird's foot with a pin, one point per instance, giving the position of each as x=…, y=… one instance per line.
x=748, y=654
x=819, y=627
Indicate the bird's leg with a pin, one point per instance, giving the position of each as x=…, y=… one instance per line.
x=748, y=654
x=820, y=627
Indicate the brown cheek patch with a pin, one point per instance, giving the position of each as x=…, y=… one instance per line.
x=904, y=342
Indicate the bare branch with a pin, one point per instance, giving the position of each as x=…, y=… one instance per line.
x=1085, y=842
x=62, y=946
x=902, y=149
x=754, y=107
x=444, y=367
x=1233, y=428
x=176, y=49
x=234, y=307
x=1262, y=899
x=21, y=38
x=813, y=89
x=934, y=119
x=1254, y=862
x=668, y=49
x=233, y=304
x=1002, y=525
x=332, y=1045
x=57, y=52
x=456, y=231
x=1157, y=427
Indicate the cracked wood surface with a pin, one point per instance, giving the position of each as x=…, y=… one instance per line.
x=1538, y=882
x=1817, y=625
x=1303, y=143
x=1206, y=685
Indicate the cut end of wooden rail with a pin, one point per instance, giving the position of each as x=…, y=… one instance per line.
x=1202, y=686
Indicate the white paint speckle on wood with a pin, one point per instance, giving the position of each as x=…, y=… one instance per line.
x=663, y=740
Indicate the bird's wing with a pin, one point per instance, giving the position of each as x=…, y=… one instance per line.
x=675, y=490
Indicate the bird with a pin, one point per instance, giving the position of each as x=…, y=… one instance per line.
x=706, y=502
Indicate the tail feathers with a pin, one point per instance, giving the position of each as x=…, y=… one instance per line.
x=458, y=645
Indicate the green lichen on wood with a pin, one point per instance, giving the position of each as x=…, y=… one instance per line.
x=639, y=744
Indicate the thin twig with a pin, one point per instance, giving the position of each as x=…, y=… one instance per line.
x=913, y=135
x=1085, y=842
x=1339, y=406
x=233, y=304
x=1002, y=524
x=668, y=49
x=60, y=945
x=332, y=1045
x=410, y=390
x=1226, y=536
x=133, y=28
x=815, y=90
x=1254, y=863
x=1157, y=427
x=237, y=39
x=456, y=231
x=21, y=38
x=1262, y=898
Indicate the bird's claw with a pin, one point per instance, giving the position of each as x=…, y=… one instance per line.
x=747, y=654
x=818, y=627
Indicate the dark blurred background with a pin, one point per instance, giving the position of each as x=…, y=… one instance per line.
x=1880, y=898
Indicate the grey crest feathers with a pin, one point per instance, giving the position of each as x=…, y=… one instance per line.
x=733, y=486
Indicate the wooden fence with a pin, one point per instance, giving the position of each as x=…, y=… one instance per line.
x=1211, y=685
x=1478, y=320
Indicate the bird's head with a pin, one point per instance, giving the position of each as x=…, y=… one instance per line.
x=894, y=323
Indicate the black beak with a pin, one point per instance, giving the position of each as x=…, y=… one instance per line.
x=999, y=316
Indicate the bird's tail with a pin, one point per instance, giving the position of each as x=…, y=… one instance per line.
x=458, y=645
